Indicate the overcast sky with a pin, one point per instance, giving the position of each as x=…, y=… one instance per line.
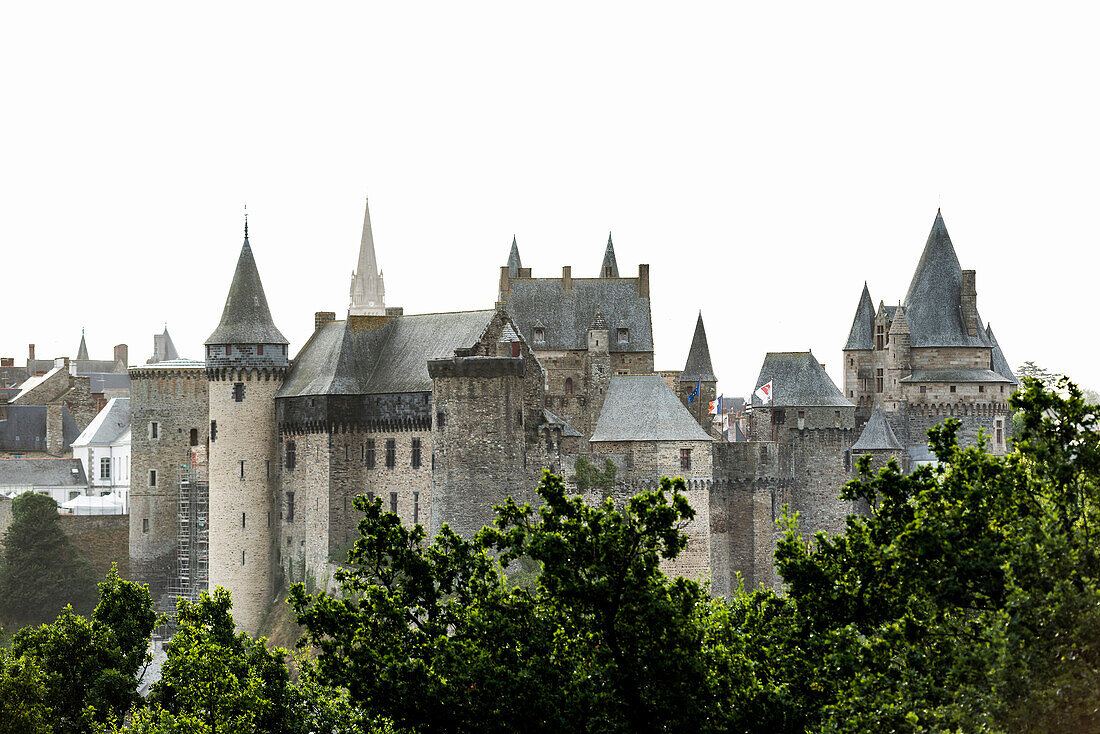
x=764, y=161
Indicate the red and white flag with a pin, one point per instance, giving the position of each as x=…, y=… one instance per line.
x=764, y=392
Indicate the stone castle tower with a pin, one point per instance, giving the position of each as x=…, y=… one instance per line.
x=246, y=362
x=698, y=374
x=368, y=292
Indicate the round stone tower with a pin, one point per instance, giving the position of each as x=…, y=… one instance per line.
x=246, y=361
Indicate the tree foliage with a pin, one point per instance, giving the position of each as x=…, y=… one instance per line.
x=588, y=476
x=40, y=570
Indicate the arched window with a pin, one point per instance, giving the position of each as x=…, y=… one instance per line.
x=568, y=385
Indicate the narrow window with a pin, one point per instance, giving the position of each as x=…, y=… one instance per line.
x=416, y=507
x=878, y=380
x=439, y=419
x=242, y=556
x=228, y=350
x=238, y=391
x=290, y=507
x=685, y=459
x=154, y=429
x=267, y=468
x=952, y=388
x=393, y=502
x=923, y=389
x=213, y=431
x=104, y=468
x=242, y=470
x=345, y=453
x=242, y=520
x=568, y=385
x=416, y=453
x=194, y=437
x=981, y=388
x=291, y=454
x=851, y=362
x=801, y=419
x=836, y=418
x=370, y=453
x=260, y=350
x=623, y=336
x=879, y=338
x=152, y=477
x=391, y=453
x=145, y=525
x=515, y=349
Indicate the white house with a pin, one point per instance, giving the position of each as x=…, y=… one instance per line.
x=104, y=451
x=62, y=479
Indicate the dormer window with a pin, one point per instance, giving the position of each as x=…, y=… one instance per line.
x=540, y=334
x=880, y=336
x=623, y=336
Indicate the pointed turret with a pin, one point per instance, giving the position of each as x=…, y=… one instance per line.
x=82, y=350
x=368, y=292
x=514, y=263
x=863, y=325
x=877, y=435
x=698, y=366
x=935, y=298
x=609, y=269
x=246, y=318
x=598, y=321
x=163, y=348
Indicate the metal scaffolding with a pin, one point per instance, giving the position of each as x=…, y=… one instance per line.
x=192, y=573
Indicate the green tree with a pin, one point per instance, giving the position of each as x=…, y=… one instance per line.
x=89, y=667
x=23, y=705
x=41, y=571
x=588, y=476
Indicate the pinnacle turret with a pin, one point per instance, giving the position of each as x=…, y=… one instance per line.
x=863, y=325
x=514, y=263
x=246, y=318
x=82, y=350
x=698, y=366
x=609, y=268
x=598, y=321
x=368, y=291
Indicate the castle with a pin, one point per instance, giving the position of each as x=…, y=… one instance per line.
x=254, y=458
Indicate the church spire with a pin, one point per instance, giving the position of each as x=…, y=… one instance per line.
x=609, y=269
x=368, y=292
x=514, y=263
x=82, y=351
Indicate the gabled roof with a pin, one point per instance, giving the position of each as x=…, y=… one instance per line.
x=246, y=318
x=644, y=408
x=33, y=382
x=863, y=325
x=25, y=428
x=514, y=263
x=566, y=316
x=698, y=366
x=934, y=300
x=108, y=425
x=798, y=380
x=19, y=473
x=878, y=435
x=998, y=362
x=344, y=358
x=566, y=429
x=609, y=260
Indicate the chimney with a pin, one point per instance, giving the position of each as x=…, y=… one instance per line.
x=970, y=302
x=122, y=354
x=7, y=361
x=55, y=429
x=643, y=280
x=567, y=278
x=395, y=310
x=505, y=285
x=30, y=354
x=320, y=318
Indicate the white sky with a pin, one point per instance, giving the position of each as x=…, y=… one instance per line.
x=765, y=161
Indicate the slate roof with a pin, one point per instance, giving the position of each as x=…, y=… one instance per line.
x=567, y=316
x=344, y=359
x=998, y=363
x=174, y=364
x=698, y=366
x=82, y=350
x=644, y=408
x=42, y=473
x=108, y=425
x=960, y=375
x=100, y=381
x=33, y=382
x=609, y=260
x=514, y=263
x=863, y=325
x=25, y=428
x=246, y=318
x=878, y=435
x=91, y=366
x=163, y=347
x=798, y=380
x=933, y=302
x=566, y=429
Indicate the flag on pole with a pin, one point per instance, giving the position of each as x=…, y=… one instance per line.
x=716, y=406
x=764, y=392
x=691, y=398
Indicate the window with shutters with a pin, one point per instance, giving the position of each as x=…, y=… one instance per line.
x=416, y=453
x=370, y=453
x=685, y=459
x=391, y=453
x=291, y=454
x=238, y=391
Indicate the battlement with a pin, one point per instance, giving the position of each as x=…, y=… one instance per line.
x=477, y=366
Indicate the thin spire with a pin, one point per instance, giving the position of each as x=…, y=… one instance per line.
x=368, y=291
x=245, y=232
x=82, y=350
x=609, y=268
x=514, y=263
x=698, y=366
x=860, y=336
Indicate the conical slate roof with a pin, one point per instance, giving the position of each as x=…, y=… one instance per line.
x=514, y=263
x=798, y=380
x=934, y=300
x=877, y=435
x=644, y=408
x=999, y=363
x=246, y=318
x=82, y=350
x=609, y=260
x=863, y=325
x=698, y=366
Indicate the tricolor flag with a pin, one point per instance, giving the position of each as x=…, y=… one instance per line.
x=691, y=398
x=764, y=392
x=716, y=406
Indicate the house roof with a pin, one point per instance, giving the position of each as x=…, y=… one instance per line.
x=960, y=375
x=33, y=382
x=566, y=316
x=25, y=428
x=644, y=408
x=863, y=325
x=698, y=366
x=246, y=318
x=42, y=473
x=878, y=435
x=343, y=358
x=108, y=425
x=998, y=362
x=934, y=300
x=798, y=380
x=101, y=381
